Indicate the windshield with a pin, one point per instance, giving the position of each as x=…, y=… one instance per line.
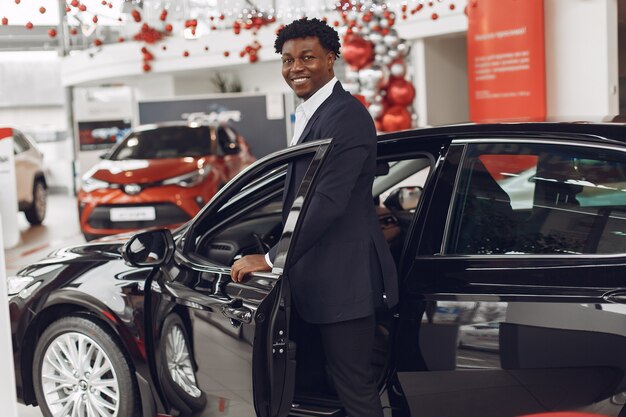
x=165, y=142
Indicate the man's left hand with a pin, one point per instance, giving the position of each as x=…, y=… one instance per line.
x=247, y=265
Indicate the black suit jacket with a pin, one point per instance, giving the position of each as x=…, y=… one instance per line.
x=342, y=262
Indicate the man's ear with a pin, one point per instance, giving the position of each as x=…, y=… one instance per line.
x=331, y=58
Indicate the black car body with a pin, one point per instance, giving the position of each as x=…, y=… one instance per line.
x=519, y=224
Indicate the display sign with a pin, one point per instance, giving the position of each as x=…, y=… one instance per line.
x=101, y=134
x=8, y=397
x=506, y=62
x=259, y=118
x=8, y=189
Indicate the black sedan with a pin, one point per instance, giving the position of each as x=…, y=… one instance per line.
x=523, y=225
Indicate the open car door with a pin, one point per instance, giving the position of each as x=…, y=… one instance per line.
x=220, y=346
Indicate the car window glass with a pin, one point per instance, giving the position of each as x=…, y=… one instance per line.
x=19, y=143
x=539, y=199
x=165, y=142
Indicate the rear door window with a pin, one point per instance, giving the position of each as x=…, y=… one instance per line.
x=539, y=199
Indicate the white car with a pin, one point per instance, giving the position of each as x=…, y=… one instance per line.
x=31, y=181
x=480, y=335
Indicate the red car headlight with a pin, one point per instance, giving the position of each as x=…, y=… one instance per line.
x=190, y=179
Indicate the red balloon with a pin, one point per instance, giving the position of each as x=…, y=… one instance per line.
x=356, y=51
x=400, y=92
x=396, y=118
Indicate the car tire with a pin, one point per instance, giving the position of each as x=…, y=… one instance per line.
x=178, y=368
x=37, y=210
x=79, y=365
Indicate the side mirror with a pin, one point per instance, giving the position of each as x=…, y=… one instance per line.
x=103, y=155
x=403, y=198
x=152, y=248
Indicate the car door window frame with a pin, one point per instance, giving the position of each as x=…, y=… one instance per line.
x=519, y=140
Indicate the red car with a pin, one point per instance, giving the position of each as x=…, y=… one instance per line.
x=159, y=175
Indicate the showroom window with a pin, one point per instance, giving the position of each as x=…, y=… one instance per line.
x=539, y=199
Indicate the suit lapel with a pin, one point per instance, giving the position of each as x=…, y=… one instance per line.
x=288, y=193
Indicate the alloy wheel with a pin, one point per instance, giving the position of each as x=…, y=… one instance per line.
x=179, y=362
x=78, y=378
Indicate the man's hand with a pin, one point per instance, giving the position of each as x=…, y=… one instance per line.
x=248, y=264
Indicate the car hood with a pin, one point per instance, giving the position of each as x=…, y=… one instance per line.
x=141, y=171
x=92, y=252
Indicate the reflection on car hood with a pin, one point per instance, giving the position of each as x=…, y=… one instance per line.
x=99, y=250
x=139, y=171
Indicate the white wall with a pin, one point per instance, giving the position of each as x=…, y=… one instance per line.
x=581, y=60
x=581, y=47
x=444, y=82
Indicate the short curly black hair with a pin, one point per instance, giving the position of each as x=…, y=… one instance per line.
x=302, y=28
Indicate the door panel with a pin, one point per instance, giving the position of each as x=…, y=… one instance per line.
x=244, y=362
x=508, y=307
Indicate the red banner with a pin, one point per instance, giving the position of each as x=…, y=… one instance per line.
x=506, y=62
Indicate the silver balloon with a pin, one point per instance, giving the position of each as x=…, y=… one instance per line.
x=379, y=59
x=353, y=88
x=376, y=38
x=352, y=76
x=380, y=49
x=378, y=98
x=370, y=77
x=373, y=23
x=387, y=59
x=376, y=110
x=397, y=69
x=384, y=23
x=368, y=94
x=403, y=49
x=393, y=54
x=365, y=30
x=391, y=40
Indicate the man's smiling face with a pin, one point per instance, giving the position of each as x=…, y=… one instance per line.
x=307, y=66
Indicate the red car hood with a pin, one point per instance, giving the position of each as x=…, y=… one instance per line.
x=141, y=171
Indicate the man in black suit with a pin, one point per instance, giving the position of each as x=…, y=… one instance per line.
x=342, y=270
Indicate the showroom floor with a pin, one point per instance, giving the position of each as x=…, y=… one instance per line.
x=59, y=229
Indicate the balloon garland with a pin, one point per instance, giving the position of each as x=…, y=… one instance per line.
x=376, y=70
x=376, y=56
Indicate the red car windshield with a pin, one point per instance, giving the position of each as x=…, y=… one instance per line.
x=164, y=142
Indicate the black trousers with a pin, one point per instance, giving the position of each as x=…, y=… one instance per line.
x=344, y=350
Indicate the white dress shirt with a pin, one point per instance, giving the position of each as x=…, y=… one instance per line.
x=304, y=112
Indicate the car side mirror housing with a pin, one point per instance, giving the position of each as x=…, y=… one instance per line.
x=103, y=155
x=151, y=248
x=403, y=198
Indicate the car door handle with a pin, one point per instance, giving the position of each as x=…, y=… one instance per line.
x=618, y=297
x=237, y=313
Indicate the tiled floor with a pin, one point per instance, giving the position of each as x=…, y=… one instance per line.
x=60, y=228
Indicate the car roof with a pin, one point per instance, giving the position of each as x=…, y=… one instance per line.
x=608, y=133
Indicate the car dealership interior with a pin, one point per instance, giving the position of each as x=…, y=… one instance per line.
x=119, y=116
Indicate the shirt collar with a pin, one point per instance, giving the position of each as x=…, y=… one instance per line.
x=310, y=106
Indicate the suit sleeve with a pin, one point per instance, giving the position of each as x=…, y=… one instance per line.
x=354, y=141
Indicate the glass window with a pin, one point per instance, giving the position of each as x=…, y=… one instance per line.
x=20, y=144
x=539, y=199
x=165, y=142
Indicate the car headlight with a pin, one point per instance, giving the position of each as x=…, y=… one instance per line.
x=91, y=184
x=21, y=286
x=189, y=180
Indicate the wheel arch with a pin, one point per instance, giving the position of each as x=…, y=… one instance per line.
x=63, y=307
x=40, y=176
